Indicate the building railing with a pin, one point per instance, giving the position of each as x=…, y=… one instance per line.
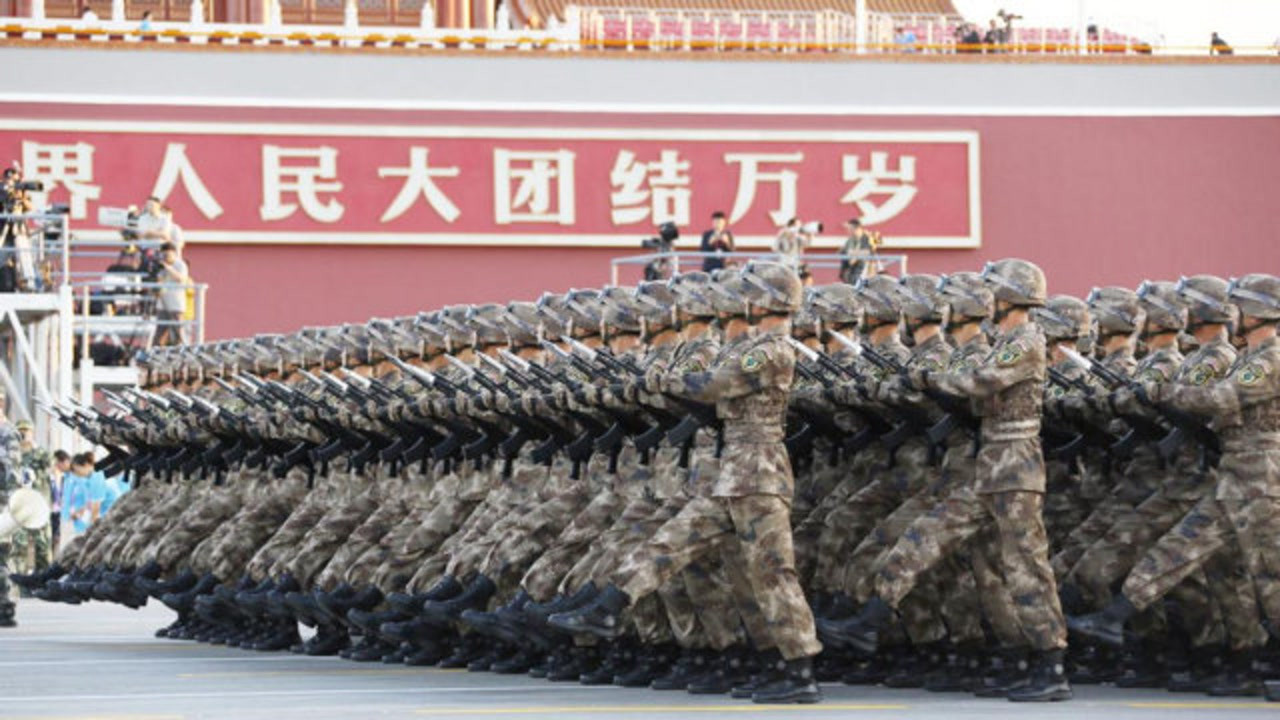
x=279, y=33
x=629, y=28
x=120, y=314
x=667, y=264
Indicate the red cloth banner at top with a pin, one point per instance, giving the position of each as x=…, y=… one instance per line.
x=377, y=184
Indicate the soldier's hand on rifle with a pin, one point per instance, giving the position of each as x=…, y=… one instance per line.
x=915, y=378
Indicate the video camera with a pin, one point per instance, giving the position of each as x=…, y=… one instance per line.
x=132, y=224
x=668, y=233
x=660, y=269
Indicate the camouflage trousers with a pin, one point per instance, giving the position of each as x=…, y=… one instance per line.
x=1103, y=515
x=938, y=607
x=174, y=550
x=858, y=514
x=1246, y=529
x=6, y=604
x=1023, y=548
x=431, y=521
x=30, y=549
x=257, y=524
x=321, y=542
x=544, y=575
x=392, y=498
x=761, y=525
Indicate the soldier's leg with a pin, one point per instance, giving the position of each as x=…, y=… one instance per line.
x=847, y=525
x=695, y=532
x=1102, y=516
x=763, y=530
x=1257, y=529
x=1182, y=550
x=1111, y=557
x=1024, y=553
x=930, y=538
x=320, y=544
x=993, y=591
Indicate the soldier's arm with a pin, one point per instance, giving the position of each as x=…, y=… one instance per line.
x=1013, y=364
x=1256, y=380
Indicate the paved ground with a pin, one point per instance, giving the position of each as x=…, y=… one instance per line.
x=99, y=661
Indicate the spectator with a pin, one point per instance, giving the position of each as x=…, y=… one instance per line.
x=716, y=240
x=33, y=548
x=861, y=243
x=789, y=243
x=905, y=39
x=82, y=494
x=172, y=304
x=88, y=15
x=145, y=25
x=1218, y=46
x=970, y=40
x=61, y=468
x=992, y=40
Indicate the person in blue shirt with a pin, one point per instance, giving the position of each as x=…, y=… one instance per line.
x=83, y=493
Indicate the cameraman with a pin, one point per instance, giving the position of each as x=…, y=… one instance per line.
x=716, y=240
x=18, y=270
x=660, y=268
x=862, y=244
x=171, y=305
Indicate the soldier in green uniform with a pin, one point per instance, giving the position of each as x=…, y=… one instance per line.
x=749, y=505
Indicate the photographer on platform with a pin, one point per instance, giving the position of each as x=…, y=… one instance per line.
x=716, y=240
x=171, y=306
x=861, y=243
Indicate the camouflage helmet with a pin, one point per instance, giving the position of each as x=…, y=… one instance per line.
x=1257, y=295
x=522, y=323
x=725, y=289
x=836, y=304
x=1116, y=310
x=1206, y=299
x=553, y=316
x=1064, y=317
x=486, y=321
x=458, y=331
x=430, y=327
x=584, y=309
x=1016, y=281
x=920, y=299
x=1162, y=305
x=692, y=292
x=967, y=295
x=655, y=303
x=879, y=296
x=772, y=286
x=621, y=311
x=806, y=321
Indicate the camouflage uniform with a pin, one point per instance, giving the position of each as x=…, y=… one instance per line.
x=1009, y=489
x=1243, y=512
x=11, y=458
x=750, y=501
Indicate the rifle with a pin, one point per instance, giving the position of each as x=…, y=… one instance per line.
x=1183, y=424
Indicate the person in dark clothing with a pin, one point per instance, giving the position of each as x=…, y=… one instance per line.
x=716, y=240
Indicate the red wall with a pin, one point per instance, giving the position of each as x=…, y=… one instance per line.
x=1094, y=200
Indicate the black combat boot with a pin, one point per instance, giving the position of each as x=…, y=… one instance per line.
x=1007, y=671
x=1142, y=666
x=690, y=665
x=572, y=664
x=34, y=581
x=1240, y=679
x=768, y=668
x=8, y=612
x=1272, y=689
x=602, y=617
x=961, y=672
x=328, y=640
x=1203, y=668
x=651, y=663
x=1048, y=681
x=445, y=588
x=860, y=632
x=475, y=597
x=1107, y=626
x=406, y=604
x=469, y=648
x=620, y=657
x=516, y=663
x=799, y=686
x=154, y=587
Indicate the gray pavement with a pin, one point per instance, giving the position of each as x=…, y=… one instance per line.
x=100, y=661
